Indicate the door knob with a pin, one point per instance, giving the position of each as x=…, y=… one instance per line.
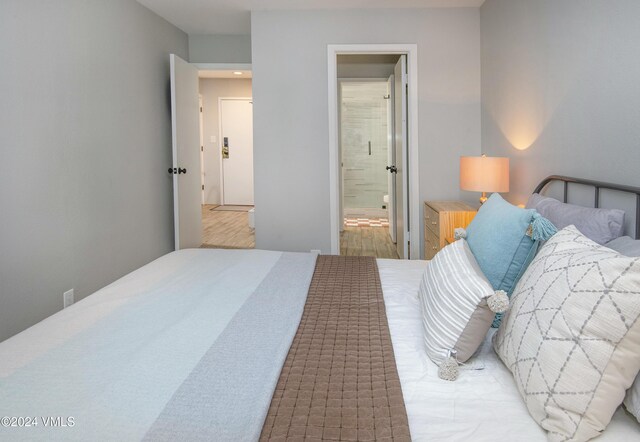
x=392, y=169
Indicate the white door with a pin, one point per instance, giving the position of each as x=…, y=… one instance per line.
x=185, y=120
x=201, y=122
x=391, y=155
x=400, y=127
x=236, y=128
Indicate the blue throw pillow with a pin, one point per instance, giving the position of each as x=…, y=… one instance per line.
x=504, y=240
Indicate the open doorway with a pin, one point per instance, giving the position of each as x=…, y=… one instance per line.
x=366, y=143
x=227, y=156
x=374, y=151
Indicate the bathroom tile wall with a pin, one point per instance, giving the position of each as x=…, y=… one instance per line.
x=364, y=119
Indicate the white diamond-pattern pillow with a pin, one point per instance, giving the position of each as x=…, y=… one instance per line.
x=572, y=335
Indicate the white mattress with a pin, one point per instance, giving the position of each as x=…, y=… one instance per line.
x=484, y=403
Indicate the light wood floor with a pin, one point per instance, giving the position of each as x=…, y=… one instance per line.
x=367, y=241
x=230, y=230
x=226, y=230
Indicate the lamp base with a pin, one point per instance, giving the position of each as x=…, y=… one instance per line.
x=483, y=198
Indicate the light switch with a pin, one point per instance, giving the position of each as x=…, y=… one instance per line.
x=213, y=138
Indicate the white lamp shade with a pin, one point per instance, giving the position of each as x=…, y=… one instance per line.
x=484, y=174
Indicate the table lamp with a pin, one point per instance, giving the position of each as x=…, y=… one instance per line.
x=484, y=174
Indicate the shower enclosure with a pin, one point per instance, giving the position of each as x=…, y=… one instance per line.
x=364, y=143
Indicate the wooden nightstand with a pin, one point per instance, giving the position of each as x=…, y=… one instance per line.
x=440, y=220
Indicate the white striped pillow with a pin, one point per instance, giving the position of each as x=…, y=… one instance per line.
x=453, y=296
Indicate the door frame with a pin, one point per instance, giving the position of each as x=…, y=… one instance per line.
x=412, y=199
x=220, y=140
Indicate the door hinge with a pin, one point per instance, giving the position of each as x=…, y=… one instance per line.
x=200, y=108
x=203, y=187
x=201, y=148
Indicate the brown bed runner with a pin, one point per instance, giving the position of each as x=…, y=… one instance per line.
x=339, y=381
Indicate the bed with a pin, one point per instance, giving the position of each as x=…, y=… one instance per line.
x=179, y=349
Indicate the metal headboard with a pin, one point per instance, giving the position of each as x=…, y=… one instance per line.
x=597, y=185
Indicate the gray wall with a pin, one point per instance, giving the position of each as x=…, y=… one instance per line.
x=85, y=135
x=219, y=48
x=211, y=89
x=561, y=89
x=291, y=153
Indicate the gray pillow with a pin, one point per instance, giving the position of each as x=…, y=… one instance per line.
x=625, y=245
x=599, y=225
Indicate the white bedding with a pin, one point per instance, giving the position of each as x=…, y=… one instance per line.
x=484, y=403
x=172, y=351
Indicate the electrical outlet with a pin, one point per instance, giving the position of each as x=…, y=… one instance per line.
x=67, y=298
x=316, y=251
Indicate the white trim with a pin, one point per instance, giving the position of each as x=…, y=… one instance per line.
x=220, y=141
x=223, y=66
x=413, y=197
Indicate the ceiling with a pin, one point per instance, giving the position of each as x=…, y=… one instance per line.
x=234, y=16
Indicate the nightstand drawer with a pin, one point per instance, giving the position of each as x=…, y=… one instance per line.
x=431, y=219
x=440, y=220
x=431, y=244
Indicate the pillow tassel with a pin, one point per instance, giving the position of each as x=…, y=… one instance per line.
x=541, y=229
x=498, y=302
x=449, y=369
x=459, y=233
